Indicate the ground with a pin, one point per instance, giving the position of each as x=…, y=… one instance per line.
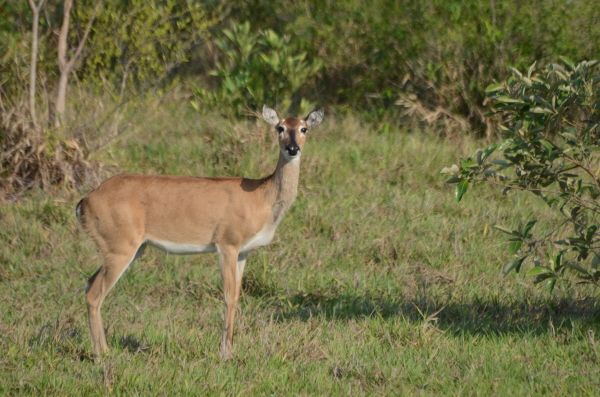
x=377, y=282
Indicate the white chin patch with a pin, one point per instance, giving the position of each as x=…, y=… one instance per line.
x=289, y=158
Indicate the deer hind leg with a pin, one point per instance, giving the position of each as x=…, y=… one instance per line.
x=99, y=285
x=232, y=275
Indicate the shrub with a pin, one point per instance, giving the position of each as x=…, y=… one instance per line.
x=428, y=59
x=551, y=145
x=259, y=68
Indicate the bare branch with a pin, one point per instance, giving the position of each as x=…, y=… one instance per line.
x=583, y=167
x=62, y=35
x=66, y=65
x=34, y=52
x=88, y=28
x=587, y=204
x=37, y=8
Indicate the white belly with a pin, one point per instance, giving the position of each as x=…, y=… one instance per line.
x=182, y=249
x=262, y=238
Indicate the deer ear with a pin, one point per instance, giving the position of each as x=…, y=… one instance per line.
x=315, y=118
x=270, y=116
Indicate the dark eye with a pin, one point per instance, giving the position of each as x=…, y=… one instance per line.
x=280, y=129
x=303, y=130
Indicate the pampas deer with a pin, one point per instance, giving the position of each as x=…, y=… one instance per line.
x=191, y=215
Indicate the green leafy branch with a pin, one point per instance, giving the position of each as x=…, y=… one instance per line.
x=550, y=144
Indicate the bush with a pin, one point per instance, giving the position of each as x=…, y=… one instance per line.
x=431, y=60
x=551, y=146
x=259, y=68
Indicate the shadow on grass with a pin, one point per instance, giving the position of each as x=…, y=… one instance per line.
x=485, y=316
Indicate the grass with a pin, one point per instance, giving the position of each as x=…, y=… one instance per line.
x=377, y=282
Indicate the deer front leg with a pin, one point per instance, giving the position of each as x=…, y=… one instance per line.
x=232, y=277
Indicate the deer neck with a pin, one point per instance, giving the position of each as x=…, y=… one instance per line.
x=282, y=186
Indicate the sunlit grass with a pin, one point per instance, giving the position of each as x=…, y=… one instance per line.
x=377, y=282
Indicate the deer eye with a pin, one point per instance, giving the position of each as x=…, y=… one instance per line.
x=280, y=129
x=303, y=130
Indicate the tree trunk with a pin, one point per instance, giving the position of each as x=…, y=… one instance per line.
x=34, y=52
x=66, y=65
x=61, y=97
x=63, y=64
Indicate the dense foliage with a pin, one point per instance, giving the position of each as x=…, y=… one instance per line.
x=551, y=141
x=384, y=58
x=259, y=68
x=431, y=59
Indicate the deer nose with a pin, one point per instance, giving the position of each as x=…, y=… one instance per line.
x=292, y=149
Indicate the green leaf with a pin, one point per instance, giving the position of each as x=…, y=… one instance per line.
x=505, y=230
x=494, y=87
x=551, y=284
x=454, y=179
x=578, y=268
x=507, y=99
x=461, y=189
x=514, y=247
x=515, y=71
x=505, y=144
x=568, y=135
x=508, y=268
x=567, y=61
x=558, y=261
x=538, y=109
x=595, y=261
x=537, y=270
x=541, y=101
x=542, y=277
x=467, y=162
x=514, y=264
x=489, y=150
x=547, y=145
x=531, y=69
x=479, y=157
x=527, y=228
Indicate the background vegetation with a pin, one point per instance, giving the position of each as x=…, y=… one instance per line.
x=377, y=282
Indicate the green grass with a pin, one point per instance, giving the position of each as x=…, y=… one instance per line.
x=377, y=282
